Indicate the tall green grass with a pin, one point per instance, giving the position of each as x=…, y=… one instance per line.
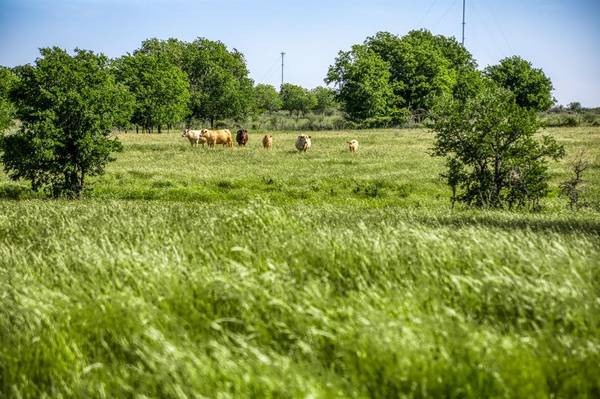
x=238, y=278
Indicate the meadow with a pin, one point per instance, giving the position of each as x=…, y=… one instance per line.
x=226, y=273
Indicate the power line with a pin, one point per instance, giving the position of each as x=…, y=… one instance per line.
x=426, y=13
x=268, y=72
x=492, y=28
x=498, y=27
x=446, y=12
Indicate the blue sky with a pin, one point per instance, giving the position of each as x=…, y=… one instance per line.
x=562, y=37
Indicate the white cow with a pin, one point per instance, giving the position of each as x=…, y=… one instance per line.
x=194, y=136
x=303, y=142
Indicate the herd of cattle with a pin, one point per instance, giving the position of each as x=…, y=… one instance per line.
x=224, y=137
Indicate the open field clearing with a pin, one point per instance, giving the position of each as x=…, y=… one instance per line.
x=191, y=272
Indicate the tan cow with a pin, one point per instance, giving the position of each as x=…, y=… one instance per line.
x=303, y=142
x=353, y=145
x=267, y=141
x=194, y=136
x=213, y=137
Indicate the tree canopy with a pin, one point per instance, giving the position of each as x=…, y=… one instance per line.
x=266, y=99
x=219, y=82
x=325, y=99
x=67, y=105
x=362, y=78
x=422, y=65
x=389, y=75
x=296, y=99
x=532, y=88
x=7, y=111
x=220, y=86
x=160, y=89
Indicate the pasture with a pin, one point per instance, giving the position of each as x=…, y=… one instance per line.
x=195, y=272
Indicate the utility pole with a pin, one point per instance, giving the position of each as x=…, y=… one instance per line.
x=282, y=55
x=463, y=26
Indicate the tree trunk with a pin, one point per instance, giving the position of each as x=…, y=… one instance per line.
x=497, y=179
x=72, y=187
x=159, y=129
x=82, y=180
x=212, y=122
x=137, y=129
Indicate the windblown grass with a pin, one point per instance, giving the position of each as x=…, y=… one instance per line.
x=241, y=278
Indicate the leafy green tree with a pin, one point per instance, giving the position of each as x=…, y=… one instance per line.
x=7, y=110
x=325, y=99
x=419, y=67
x=469, y=83
x=266, y=99
x=362, y=79
x=296, y=99
x=532, y=88
x=422, y=66
x=161, y=89
x=172, y=49
x=219, y=82
x=492, y=155
x=68, y=105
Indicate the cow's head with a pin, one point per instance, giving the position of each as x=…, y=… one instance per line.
x=203, y=132
x=185, y=132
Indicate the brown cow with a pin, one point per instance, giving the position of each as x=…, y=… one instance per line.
x=241, y=137
x=267, y=142
x=213, y=137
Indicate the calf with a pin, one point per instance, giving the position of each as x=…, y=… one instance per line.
x=353, y=145
x=267, y=142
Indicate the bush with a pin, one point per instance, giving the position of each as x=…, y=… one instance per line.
x=492, y=156
x=574, y=187
x=308, y=122
x=570, y=121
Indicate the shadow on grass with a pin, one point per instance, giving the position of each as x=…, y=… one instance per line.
x=12, y=191
x=516, y=222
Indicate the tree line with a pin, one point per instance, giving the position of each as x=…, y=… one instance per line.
x=389, y=78
x=484, y=120
x=172, y=81
x=382, y=82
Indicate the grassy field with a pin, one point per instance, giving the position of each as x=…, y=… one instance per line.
x=247, y=273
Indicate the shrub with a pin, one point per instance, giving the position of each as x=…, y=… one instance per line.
x=574, y=187
x=570, y=121
x=493, y=158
